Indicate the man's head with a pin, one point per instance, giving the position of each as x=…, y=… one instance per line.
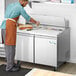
x=23, y=2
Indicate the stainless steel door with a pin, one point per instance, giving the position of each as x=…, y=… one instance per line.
x=9, y=1
x=24, y=47
x=46, y=50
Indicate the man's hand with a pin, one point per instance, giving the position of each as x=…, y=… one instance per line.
x=34, y=21
x=37, y=23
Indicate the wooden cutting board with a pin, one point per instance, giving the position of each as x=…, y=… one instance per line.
x=27, y=26
x=40, y=72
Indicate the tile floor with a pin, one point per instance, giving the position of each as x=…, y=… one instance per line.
x=69, y=68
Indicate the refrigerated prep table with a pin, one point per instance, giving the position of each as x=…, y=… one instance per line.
x=48, y=44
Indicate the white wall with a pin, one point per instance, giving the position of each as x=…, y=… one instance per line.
x=63, y=10
x=1, y=10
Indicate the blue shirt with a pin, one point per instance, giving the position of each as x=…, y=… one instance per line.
x=14, y=10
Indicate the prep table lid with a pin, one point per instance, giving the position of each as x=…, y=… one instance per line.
x=41, y=12
x=51, y=20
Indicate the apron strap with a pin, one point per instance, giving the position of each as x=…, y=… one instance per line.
x=10, y=19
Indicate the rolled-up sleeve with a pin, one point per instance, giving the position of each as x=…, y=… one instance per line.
x=25, y=15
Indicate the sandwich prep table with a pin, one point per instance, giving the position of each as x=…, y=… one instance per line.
x=48, y=44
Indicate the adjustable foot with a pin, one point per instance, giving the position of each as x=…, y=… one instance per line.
x=55, y=68
x=19, y=64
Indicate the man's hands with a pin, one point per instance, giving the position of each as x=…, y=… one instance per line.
x=34, y=21
x=37, y=23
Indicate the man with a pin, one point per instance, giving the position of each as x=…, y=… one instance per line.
x=13, y=11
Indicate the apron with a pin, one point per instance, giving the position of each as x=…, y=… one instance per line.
x=11, y=28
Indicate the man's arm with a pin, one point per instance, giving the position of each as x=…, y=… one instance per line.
x=28, y=18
